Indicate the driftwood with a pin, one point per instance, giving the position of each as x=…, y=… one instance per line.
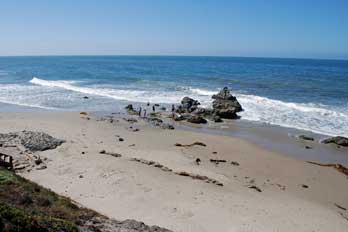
x=199, y=177
x=343, y=215
x=117, y=155
x=217, y=161
x=256, y=188
x=338, y=167
x=180, y=173
x=340, y=207
x=190, y=145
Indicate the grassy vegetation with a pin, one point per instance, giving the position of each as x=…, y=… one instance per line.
x=26, y=206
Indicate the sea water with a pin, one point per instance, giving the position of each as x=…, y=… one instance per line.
x=298, y=93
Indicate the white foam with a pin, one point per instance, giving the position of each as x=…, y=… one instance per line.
x=28, y=105
x=202, y=92
x=317, y=118
x=22, y=95
x=313, y=117
x=117, y=94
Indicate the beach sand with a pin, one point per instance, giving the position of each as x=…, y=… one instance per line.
x=123, y=188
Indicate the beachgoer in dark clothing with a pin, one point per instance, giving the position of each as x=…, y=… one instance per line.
x=153, y=108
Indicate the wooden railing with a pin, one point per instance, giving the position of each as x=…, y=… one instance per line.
x=6, y=161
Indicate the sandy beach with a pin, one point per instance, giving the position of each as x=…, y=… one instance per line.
x=127, y=169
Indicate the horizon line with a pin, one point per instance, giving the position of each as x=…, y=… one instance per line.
x=168, y=55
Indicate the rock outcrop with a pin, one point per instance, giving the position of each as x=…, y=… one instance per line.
x=305, y=137
x=197, y=119
x=188, y=105
x=32, y=140
x=157, y=122
x=39, y=141
x=225, y=105
x=130, y=110
x=339, y=140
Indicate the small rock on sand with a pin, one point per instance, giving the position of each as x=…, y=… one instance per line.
x=234, y=163
x=41, y=167
x=305, y=137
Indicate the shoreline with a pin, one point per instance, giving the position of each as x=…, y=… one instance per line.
x=273, y=137
x=294, y=194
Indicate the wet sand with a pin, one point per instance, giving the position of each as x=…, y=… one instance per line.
x=295, y=195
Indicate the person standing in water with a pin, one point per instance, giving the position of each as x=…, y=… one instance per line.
x=140, y=112
x=153, y=108
x=173, y=109
x=144, y=113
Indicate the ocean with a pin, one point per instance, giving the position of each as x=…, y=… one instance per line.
x=297, y=93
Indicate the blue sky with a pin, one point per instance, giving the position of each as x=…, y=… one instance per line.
x=269, y=28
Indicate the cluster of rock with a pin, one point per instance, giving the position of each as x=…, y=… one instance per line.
x=338, y=140
x=31, y=140
x=225, y=106
x=23, y=147
x=130, y=109
x=157, y=122
x=103, y=224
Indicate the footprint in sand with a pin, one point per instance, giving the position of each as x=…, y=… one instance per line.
x=188, y=214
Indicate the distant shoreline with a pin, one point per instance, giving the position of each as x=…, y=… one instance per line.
x=178, y=56
x=273, y=137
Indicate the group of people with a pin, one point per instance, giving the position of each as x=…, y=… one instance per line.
x=153, y=110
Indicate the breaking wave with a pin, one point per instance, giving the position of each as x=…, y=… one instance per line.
x=308, y=116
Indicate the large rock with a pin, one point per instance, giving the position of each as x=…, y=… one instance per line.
x=157, y=122
x=187, y=102
x=224, y=94
x=39, y=141
x=178, y=117
x=339, y=140
x=229, y=113
x=129, y=107
x=217, y=119
x=31, y=140
x=225, y=105
x=196, y=119
x=130, y=110
x=188, y=105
